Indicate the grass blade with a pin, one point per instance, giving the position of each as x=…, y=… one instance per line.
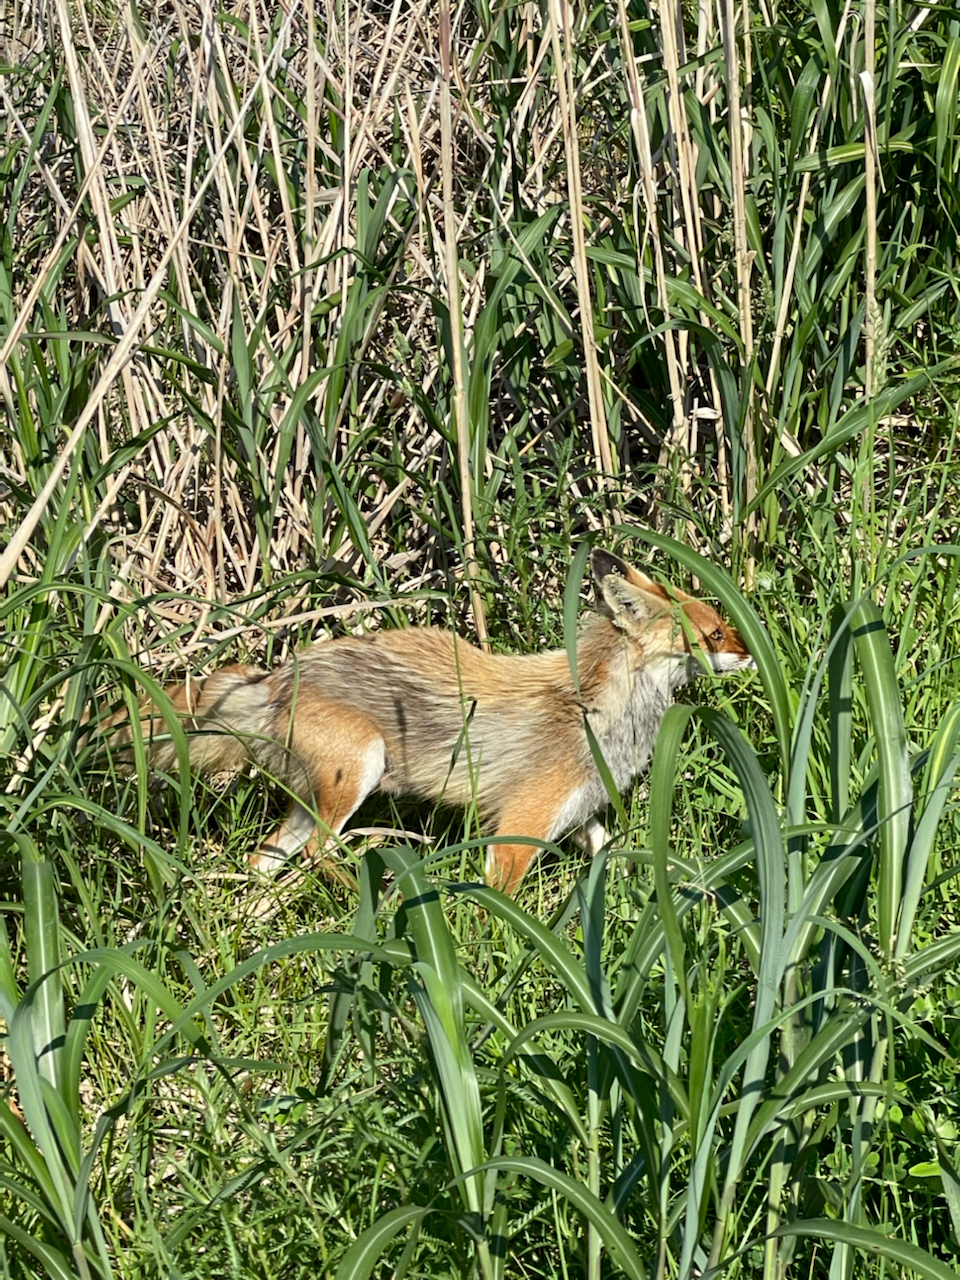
x=895, y=796
x=873, y=1243
x=363, y=1256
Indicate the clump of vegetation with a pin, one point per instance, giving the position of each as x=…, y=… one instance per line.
x=318, y=319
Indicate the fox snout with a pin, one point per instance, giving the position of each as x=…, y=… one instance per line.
x=736, y=658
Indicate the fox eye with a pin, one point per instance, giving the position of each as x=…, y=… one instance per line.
x=717, y=636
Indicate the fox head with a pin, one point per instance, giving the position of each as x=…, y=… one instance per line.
x=649, y=615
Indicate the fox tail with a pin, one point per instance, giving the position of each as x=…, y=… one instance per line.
x=224, y=715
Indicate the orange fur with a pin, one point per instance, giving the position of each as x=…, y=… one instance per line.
x=423, y=712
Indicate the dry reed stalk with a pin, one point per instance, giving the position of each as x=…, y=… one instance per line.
x=706, y=93
x=561, y=38
x=309, y=276
x=648, y=185
x=870, y=166
x=783, y=311
x=110, y=256
x=870, y=189
x=334, y=238
x=231, y=268
x=124, y=349
x=738, y=155
x=70, y=211
x=686, y=225
x=359, y=140
x=689, y=227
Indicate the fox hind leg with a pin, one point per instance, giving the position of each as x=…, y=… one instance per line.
x=337, y=759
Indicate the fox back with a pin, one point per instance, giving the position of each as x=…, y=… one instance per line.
x=423, y=712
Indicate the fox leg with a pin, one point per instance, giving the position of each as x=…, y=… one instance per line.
x=541, y=814
x=337, y=759
x=296, y=831
x=591, y=836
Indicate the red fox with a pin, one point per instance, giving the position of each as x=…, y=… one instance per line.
x=423, y=712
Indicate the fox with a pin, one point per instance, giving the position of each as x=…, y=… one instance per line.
x=423, y=712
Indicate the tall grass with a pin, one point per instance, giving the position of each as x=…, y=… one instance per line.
x=313, y=316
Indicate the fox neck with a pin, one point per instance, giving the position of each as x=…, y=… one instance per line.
x=626, y=701
x=673, y=670
x=609, y=659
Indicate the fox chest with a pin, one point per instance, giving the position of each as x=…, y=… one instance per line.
x=626, y=733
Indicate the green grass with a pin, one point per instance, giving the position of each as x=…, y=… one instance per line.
x=247, y=403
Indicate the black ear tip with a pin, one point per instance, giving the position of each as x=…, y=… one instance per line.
x=604, y=563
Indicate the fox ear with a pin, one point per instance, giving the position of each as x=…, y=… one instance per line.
x=629, y=595
x=604, y=563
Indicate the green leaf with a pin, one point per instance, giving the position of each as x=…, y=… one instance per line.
x=872, y=1242
x=895, y=795
x=439, y=996
x=611, y=1231
x=366, y=1251
x=945, y=106
x=768, y=661
x=42, y=931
